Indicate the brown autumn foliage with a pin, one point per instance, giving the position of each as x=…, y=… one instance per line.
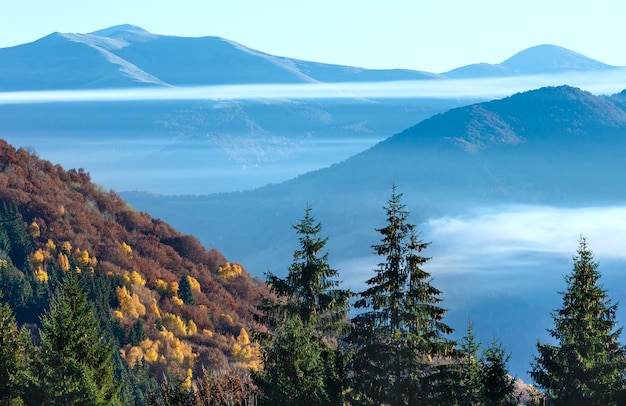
x=67, y=207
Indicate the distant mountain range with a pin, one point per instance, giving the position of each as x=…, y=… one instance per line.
x=208, y=146
x=128, y=56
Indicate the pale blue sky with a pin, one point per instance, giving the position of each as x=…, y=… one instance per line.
x=434, y=36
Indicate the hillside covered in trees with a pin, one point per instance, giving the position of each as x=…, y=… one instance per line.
x=167, y=305
x=102, y=305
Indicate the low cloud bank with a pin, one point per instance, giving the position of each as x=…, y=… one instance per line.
x=513, y=247
x=525, y=233
x=604, y=82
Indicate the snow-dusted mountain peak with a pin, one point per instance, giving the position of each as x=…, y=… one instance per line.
x=107, y=32
x=126, y=32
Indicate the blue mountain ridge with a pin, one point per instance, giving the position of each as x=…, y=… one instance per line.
x=129, y=56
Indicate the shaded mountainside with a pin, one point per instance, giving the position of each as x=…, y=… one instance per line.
x=555, y=145
x=522, y=148
x=559, y=115
x=56, y=221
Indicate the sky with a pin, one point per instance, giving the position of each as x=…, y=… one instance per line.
x=432, y=36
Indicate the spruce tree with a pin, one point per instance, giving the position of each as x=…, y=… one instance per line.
x=137, y=333
x=310, y=310
x=14, y=239
x=400, y=333
x=498, y=386
x=9, y=358
x=467, y=385
x=293, y=367
x=14, y=357
x=586, y=365
x=311, y=288
x=75, y=365
x=184, y=291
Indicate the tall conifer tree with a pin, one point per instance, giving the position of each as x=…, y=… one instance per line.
x=311, y=288
x=184, y=291
x=587, y=365
x=400, y=330
x=498, y=385
x=310, y=312
x=14, y=353
x=466, y=373
x=293, y=367
x=75, y=365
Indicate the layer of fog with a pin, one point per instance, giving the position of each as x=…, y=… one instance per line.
x=503, y=268
x=515, y=231
x=138, y=163
x=601, y=82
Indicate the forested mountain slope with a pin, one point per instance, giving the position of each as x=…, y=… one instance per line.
x=159, y=294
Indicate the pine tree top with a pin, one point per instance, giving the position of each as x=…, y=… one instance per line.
x=586, y=365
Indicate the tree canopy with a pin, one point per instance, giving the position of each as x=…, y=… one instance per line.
x=301, y=353
x=399, y=330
